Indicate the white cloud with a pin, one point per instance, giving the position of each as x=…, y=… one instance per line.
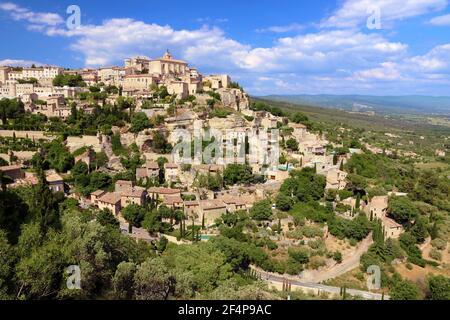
x=18, y=63
x=293, y=27
x=387, y=72
x=325, y=51
x=36, y=18
x=210, y=48
x=434, y=61
x=356, y=12
x=441, y=20
x=331, y=60
x=116, y=39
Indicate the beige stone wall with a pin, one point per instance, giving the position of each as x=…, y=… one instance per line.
x=74, y=143
x=126, y=201
x=24, y=134
x=138, y=83
x=4, y=74
x=115, y=209
x=211, y=215
x=179, y=88
x=25, y=88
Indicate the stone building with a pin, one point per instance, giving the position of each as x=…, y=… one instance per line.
x=167, y=65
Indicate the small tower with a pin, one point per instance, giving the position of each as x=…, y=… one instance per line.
x=167, y=55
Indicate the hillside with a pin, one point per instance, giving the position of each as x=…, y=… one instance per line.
x=379, y=104
x=363, y=119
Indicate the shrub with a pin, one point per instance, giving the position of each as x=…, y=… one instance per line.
x=295, y=234
x=312, y=231
x=301, y=255
x=293, y=267
x=337, y=256
x=316, y=244
x=439, y=244
x=317, y=262
x=435, y=254
x=439, y=288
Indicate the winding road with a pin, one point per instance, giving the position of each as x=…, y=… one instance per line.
x=338, y=269
x=312, y=279
x=320, y=287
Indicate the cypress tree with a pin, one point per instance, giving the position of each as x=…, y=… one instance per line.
x=434, y=231
x=193, y=229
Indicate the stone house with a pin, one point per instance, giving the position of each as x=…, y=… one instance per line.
x=96, y=195
x=233, y=203
x=377, y=207
x=191, y=207
x=157, y=193
x=336, y=179
x=171, y=171
x=122, y=185
x=133, y=195
x=391, y=228
x=55, y=182
x=13, y=171
x=211, y=210
x=110, y=201
x=174, y=202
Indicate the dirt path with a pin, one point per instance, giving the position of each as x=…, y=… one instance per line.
x=348, y=264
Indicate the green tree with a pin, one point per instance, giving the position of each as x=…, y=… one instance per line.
x=299, y=255
x=134, y=214
x=404, y=290
x=438, y=288
x=284, y=202
x=6, y=265
x=62, y=80
x=44, y=204
x=419, y=230
x=292, y=144
x=160, y=144
x=237, y=174
x=299, y=117
x=13, y=212
x=261, y=210
x=106, y=218
x=39, y=274
x=305, y=185
x=402, y=209
x=139, y=122
x=153, y=281
x=123, y=280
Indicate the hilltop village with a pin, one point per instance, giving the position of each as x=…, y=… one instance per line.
x=288, y=199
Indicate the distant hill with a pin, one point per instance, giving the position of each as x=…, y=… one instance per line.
x=379, y=104
x=377, y=121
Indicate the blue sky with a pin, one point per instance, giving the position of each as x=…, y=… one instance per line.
x=271, y=47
